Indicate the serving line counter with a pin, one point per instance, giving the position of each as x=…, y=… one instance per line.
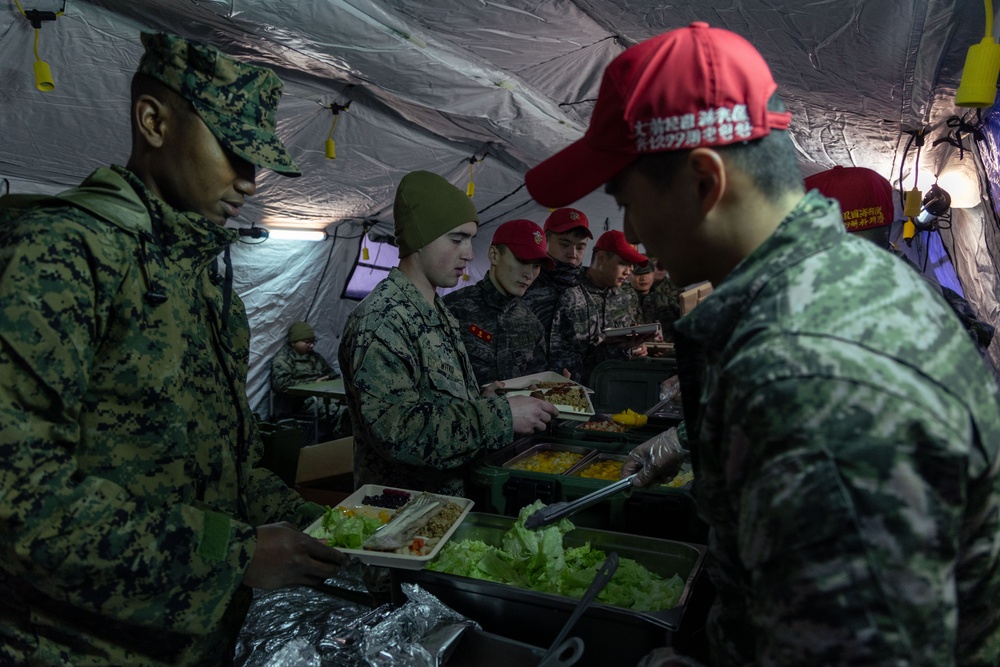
x=339, y=622
x=462, y=621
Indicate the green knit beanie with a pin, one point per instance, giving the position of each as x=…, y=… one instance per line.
x=300, y=331
x=426, y=207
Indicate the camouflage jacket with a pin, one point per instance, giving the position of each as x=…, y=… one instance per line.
x=542, y=298
x=130, y=497
x=577, y=341
x=661, y=304
x=844, y=434
x=418, y=418
x=503, y=338
x=288, y=367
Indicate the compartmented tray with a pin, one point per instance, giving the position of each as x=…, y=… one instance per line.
x=525, y=385
x=404, y=561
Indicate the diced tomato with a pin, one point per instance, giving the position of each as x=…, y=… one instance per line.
x=417, y=545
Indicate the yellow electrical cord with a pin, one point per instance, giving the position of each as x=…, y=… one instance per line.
x=41, y=67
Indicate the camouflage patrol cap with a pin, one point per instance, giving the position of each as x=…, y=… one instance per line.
x=236, y=100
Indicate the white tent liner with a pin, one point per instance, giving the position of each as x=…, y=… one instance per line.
x=435, y=84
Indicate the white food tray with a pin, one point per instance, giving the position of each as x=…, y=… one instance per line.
x=520, y=386
x=402, y=561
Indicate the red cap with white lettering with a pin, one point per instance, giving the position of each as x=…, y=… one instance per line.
x=690, y=87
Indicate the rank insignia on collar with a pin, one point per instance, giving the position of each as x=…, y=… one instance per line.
x=480, y=333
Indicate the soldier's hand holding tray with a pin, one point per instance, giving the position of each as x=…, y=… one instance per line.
x=286, y=556
x=531, y=414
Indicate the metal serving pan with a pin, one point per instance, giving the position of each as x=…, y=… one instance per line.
x=613, y=635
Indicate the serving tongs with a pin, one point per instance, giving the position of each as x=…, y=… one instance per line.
x=552, y=513
x=566, y=652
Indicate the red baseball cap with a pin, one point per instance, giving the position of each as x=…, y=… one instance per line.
x=614, y=241
x=525, y=239
x=690, y=87
x=865, y=196
x=564, y=219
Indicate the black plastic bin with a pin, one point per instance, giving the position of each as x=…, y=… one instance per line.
x=282, y=441
x=633, y=384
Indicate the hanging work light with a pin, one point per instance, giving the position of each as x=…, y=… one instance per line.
x=43, y=73
x=936, y=202
x=978, y=86
x=470, y=189
x=331, y=148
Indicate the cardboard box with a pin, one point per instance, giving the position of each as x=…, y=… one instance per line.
x=326, y=459
x=325, y=472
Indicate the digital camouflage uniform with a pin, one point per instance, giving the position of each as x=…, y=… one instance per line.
x=503, y=338
x=845, y=457
x=661, y=304
x=288, y=367
x=417, y=415
x=577, y=341
x=130, y=496
x=542, y=298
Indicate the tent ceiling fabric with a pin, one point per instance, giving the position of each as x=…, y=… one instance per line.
x=433, y=83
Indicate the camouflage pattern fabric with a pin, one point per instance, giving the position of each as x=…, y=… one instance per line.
x=236, y=100
x=979, y=330
x=130, y=496
x=661, y=304
x=845, y=457
x=288, y=367
x=542, y=298
x=419, y=421
x=577, y=341
x=503, y=338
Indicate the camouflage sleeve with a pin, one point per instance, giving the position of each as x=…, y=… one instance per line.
x=269, y=499
x=282, y=370
x=540, y=356
x=570, y=334
x=422, y=415
x=83, y=540
x=847, y=530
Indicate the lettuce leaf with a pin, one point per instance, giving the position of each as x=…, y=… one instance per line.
x=346, y=532
x=537, y=560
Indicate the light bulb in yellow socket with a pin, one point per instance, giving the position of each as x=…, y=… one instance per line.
x=909, y=231
x=331, y=150
x=470, y=189
x=364, y=253
x=978, y=86
x=43, y=76
x=465, y=277
x=913, y=202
